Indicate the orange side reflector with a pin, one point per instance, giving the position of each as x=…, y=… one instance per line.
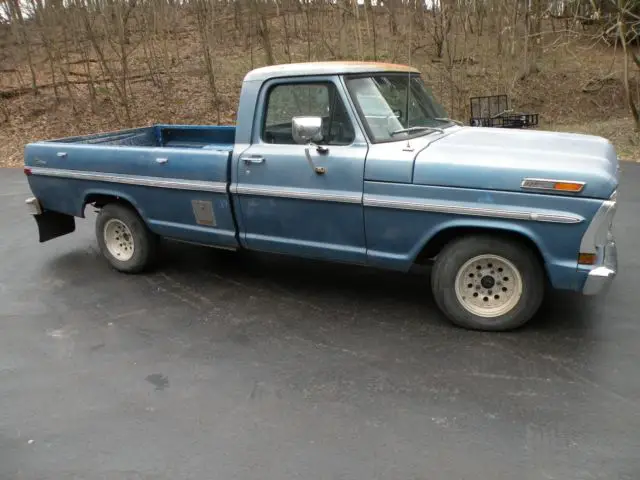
x=587, y=258
x=568, y=187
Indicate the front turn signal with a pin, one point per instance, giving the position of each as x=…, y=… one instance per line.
x=568, y=186
x=587, y=258
x=553, y=185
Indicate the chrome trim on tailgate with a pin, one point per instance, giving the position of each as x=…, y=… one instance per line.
x=159, y=182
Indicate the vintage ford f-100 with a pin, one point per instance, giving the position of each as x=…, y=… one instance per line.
x=350, y=162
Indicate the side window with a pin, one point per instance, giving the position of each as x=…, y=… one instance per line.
x=305, y=99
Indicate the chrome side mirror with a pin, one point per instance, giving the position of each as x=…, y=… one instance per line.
x=306, y=129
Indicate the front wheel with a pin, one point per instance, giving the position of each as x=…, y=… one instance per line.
x=124, y=239
x=488, y=283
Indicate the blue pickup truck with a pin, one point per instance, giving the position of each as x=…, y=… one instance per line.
x=350, y=162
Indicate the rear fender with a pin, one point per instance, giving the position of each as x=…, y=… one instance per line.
x=106, y=194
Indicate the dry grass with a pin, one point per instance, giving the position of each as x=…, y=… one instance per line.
x=567, y=91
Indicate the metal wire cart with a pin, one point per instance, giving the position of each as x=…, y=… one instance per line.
x=494, y=111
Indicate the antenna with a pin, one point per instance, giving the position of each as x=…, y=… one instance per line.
x=408, y=72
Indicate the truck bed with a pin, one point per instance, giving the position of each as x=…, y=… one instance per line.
x=176, y=176
x=166, y=136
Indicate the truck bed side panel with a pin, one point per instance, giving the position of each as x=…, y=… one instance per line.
x=196, y=136
x=132, y=137
x=216, y=137
x=180, y=192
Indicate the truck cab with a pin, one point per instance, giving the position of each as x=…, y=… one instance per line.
x=350, y=162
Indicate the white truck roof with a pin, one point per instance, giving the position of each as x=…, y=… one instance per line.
x=323, y=68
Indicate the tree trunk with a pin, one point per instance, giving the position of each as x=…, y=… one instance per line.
x=263, y=31
x=622, y=30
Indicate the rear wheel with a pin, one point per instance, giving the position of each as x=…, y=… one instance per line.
x=124, y=239
x=486, y=283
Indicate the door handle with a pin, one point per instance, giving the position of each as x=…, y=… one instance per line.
x=162, y=160
x=256, y=159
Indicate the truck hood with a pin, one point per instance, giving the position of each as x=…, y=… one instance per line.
x=500, y=159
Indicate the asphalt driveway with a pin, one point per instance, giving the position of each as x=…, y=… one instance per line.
x=225, y=366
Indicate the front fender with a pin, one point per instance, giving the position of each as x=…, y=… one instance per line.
x=402, y=220
x=481, y=225
x=560, y=264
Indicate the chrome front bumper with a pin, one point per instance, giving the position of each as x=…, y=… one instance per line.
x=600, y=278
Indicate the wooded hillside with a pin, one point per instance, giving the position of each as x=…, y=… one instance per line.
x=77, y=66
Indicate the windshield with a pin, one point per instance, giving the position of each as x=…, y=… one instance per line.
x=390, y=103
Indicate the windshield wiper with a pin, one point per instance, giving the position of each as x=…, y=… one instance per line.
x=415, y=129
x=445, y=119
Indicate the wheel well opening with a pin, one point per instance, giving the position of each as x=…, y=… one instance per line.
x=99, y=200
x=435, y=245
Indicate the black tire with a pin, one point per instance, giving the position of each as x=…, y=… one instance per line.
x=144, y=241
x=454, y=256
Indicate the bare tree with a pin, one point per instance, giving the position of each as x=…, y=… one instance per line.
x=262, y=25
x=442, y=13
x=97, y=52
x=625, y=10
x=206, y=14
x=17, y=21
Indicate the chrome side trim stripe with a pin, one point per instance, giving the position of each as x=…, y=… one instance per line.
x=174, y=183
x=379, y=201
x=288, y=192
x=382, y=201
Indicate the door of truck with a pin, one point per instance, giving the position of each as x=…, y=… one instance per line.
x=290, y=202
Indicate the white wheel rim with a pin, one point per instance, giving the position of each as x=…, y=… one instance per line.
x=488, y=286
x=118, y=240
